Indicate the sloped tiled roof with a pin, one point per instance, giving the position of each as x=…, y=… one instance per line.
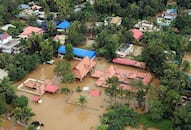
x=83, y=67
x=137, y=34
x=29, y=30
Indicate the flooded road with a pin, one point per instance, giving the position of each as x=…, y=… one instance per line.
x=61, y=112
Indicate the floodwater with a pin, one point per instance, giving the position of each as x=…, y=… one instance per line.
x=61, y=112
x=187, y=57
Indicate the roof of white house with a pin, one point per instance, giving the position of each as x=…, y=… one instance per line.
x=6, y=27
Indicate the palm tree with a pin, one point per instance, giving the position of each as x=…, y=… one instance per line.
x=128, y=95
x=112, y=87
x=65, y=90
x=82, y=100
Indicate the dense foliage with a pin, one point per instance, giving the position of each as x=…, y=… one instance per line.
x=119, y=116
x=163, y=53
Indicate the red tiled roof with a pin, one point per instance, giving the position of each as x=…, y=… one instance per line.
x=83, y=67
x=95, y=93
x=129, y=62
x=138, y=35
x=51, y=89
x=35, y=98
x=97, y=74
x=29, y=30
x=125, y=76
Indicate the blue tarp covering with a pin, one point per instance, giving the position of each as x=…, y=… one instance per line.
x=78, y=52
x=63, y=25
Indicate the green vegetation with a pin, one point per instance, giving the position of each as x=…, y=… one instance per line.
x=65, y=90
x=82, y=100
x=63, y=69
x=69, y=52
x=21, y=101
x=21, y=112
x=160, y=124
x=163, y=53
x=23, y=115
x=118, y=117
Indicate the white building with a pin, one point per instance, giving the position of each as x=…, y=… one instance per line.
x=124, y=49
x=113, y=20
x=5, y=38
x=9, y=47
x=7, y=26
x=146, y=26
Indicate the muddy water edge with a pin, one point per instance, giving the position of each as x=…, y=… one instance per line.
x=59, y=113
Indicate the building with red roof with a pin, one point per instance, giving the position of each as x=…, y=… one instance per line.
x=50, y=88
x=27, y=32
x=137, y=35
x=129, y=62
x=125, y=77
x=83, y=67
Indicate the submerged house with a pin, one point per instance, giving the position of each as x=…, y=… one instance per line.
x=83, y=67
x=129, y=62
x=78, y=52
x=125, y=77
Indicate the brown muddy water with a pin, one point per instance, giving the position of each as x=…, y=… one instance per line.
x=61, y=112
x=187, y=57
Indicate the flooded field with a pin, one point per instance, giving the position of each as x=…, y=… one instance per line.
x=61, y=112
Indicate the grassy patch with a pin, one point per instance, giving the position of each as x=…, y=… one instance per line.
x=160, y=124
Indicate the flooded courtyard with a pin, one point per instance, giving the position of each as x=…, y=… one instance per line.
x=61, y=112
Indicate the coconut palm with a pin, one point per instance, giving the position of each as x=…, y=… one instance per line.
x=112, y=90
x=82, y=100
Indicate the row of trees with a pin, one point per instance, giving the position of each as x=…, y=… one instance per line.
x=19, y=65
x=19, y=110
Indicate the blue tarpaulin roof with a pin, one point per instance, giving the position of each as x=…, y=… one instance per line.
x=63, y=25
x=78, y=52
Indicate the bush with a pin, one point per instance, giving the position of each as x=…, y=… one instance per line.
x=21, y=101
x=120, y=116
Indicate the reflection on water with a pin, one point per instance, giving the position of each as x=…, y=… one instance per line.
x=55, y=113
x=83, y=115
x=68, y=109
